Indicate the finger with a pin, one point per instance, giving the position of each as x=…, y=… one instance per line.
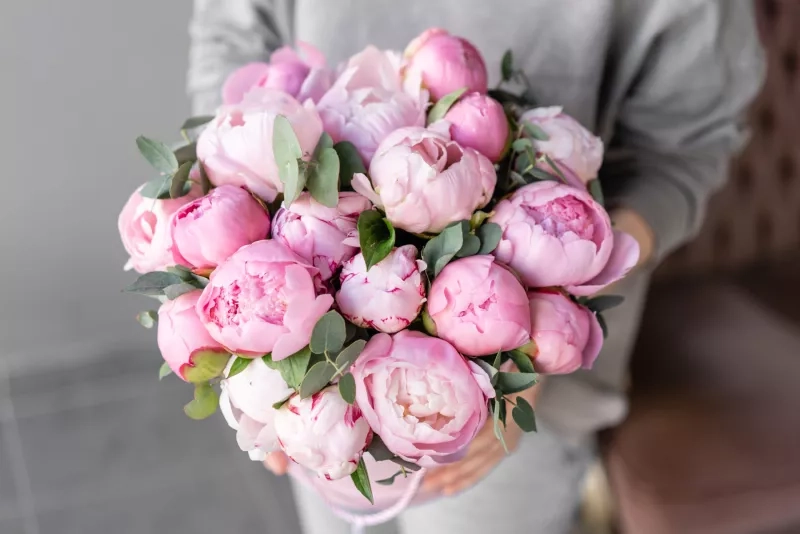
x=470, y=479
x=277, y=462
x=483, y=444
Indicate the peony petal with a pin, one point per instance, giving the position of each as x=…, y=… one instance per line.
x=363, y=186
x=624, y=257
x=483, y=380
x=241, y=81
x=595, y=342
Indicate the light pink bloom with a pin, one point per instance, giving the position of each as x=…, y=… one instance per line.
x=567, y=335
x=480, y=307
x=421, y=396
x=246, y=402
x=557, y=235
x=263, y=300
x=389, y=296
x=144, y=228
x=323, y=433
x=446, y=63
x=576, y=151
x=208, y=230
x=478, y=121
x=303, y=75
x=190, y=352
x=236, y=147
x=323, y=236
x=368, y=101
x=424, y=181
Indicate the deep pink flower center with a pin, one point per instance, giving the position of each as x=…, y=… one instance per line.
x=262, y=297
x=563, y=215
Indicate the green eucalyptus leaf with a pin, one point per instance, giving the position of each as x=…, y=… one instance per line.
x=472, y=245
x=596, y=190
x=325, y=142
x=278, y=405
x=323, y=178
x=153, y=283
x=438, y=252
x=603, y=326
x=317, y=378
x=390, y=480
x=239, y=365
x=556, y=169
x=378, y=449
x=604, y=302
x=157, y=188
x=376, y=236
x=360, y=478
x=489, y=235
x=148, y=319
x=521, y=145
x=292, y=368
x=158, y=155
x=186, y=153
x=543, y=175
x=180, y=181
x=477, y=219
x=524, y=415
x=535, y=131
x=522, y=361
x=507, y=66
x=440, y=109
x=408, y=466
x=498, y=430
x=498, y=360
x=287, y=151
x=196, y=122
x=329, y=334
x=184, y=273
x=205, y=366
x=164, y=371
x=204, y=404
x=515, y=382
x=348, y=356
x=176, y=290
x=350, y=162
x=347, y=388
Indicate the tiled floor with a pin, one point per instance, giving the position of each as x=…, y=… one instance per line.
x=105, y=448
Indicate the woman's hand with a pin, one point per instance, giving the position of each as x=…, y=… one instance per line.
x=483, y=455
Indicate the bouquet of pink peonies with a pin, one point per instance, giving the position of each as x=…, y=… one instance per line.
x=360, y=266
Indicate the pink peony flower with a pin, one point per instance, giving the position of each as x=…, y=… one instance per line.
x=557, y=235
x=479, y=121
x=577, y=152
x=144, y=229
x=480, y=307
x=424, y=181
x=208, y=230
x=303, y=75
x=368, y=102
x=389, y=296
x=236, y=147
x=190, y=352
x=446, y=63
x=246, y=402
x=323, y=236
x=567, y=335
x=421, y=396
x=323, y=433
x=263, y=300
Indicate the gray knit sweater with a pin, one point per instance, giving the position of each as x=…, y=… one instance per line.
x=663, y=82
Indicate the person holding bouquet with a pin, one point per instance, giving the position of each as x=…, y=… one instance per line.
x=662, y=84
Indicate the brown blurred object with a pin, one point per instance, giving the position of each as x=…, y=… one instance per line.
x=712, y=441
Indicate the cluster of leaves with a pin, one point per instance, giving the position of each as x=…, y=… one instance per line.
x=329, y=169
x=443, y=105
x=169, y=284
x=600, y=304
x=380, y=452
x=173, y=166
x=459, y=240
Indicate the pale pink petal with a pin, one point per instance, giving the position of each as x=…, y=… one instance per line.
x=595, y=342
x=363, y=186
x=483, y=380
x=624, y=257
x=241, y=81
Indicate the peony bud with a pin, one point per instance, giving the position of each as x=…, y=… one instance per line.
x=479, y=121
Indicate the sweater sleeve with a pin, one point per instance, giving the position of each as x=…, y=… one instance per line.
x=226, y=34
x=680, y=122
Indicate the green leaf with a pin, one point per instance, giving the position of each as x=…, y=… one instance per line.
x=498, y=360
x=541, y=174
x=603, y=325
x=323, y=178
x=204, y=404
x=596, y=190
x=348, y=356
x=409, y=466
x=329, y=334
x=604, y=302
x=486, y=366
x=378, y=449
x=438, y=252
x=472, y=245
x=206, y=365
x=153, y=283
x=176, y=290
x=205, y=182
x=522, y=361
x=287, y=151
x=498, y=431
x=490, y=235
x=389, y=481
x=507, y=66
x=325, y=142
x=239, y=365
x=535, y=131
x=164, y=371
x=477, y=219
x=158, y=154
x=524, y=416
x=184, y=273
x=292, y=368
x=147, y=319
x=350, y=162
x=515, y=382
x=157, y=188
x=440, y=109
x=521, y=145
x=278, y=405
x=360, y=478
x=376, y=236
x=347, y=388
x=196, y=122
x=186, y=153
x=555, y=168
x=180, y=182
x=317, y=378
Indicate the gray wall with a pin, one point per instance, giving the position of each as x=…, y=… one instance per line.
x=79, y=80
